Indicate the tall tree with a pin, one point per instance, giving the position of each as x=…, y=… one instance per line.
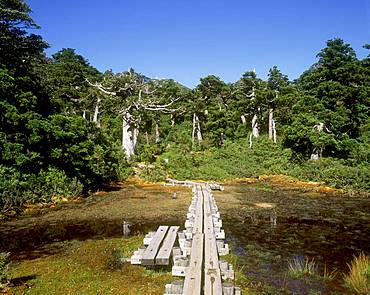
x=248, y=101
x=128, y=95
x=276, y=81
x=334, y=97
x=210, y=109
x=65, y=76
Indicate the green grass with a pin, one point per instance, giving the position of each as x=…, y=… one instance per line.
x=84, y=268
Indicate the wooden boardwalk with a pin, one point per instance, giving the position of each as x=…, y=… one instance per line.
x=201, y=245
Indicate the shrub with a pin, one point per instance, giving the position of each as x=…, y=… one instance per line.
x=17, y=188
x=56, y=183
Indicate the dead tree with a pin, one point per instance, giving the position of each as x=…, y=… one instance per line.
x=129, y=98
x=317, y=152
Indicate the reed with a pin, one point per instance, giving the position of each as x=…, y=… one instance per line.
x=301, y=267
x=329, y=275
x=358, y=278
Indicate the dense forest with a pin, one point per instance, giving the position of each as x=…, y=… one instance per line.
x=66, y=128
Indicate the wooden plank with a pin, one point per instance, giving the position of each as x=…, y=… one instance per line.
x=193, y=277
x=198, y=219
x=150, y=252
x=163, y=256
x=212, y=273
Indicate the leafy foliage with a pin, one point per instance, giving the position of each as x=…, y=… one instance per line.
x=46, y=149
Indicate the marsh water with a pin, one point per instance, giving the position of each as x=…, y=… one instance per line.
x=267, y=226
x=274, y=226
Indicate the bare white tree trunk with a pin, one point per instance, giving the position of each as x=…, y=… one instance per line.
x=317, y=152
x=272, y=126
x=199, y=131
x=135, y=136
x=255, y=131
x=147, y=137
x=196, y=128
x=193, y=131
x=315, y=155
x=96, y=112
x=157, y=139
x=274, y=130
x=84, y=114
x=172, y=120
x=127, y=142
x=271, y=118
x=244, y=120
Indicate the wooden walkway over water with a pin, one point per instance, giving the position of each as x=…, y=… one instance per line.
x=197, y=258
x=205, y=272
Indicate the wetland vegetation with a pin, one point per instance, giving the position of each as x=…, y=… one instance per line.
x=78, y=245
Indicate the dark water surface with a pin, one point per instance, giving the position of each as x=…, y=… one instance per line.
x=273, y=226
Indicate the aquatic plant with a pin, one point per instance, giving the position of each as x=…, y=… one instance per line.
x=358, y=279
x=301, y=266
x=329, y=275
x=4, y=263
x=117, y=260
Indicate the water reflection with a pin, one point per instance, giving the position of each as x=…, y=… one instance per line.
x=328, y=228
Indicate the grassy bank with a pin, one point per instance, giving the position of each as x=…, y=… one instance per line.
x=87, y=267
x=237, y=160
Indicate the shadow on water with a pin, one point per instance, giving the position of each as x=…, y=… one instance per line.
x=40, y=231
x=273, y=226
x=21, y=281
x=44, y=239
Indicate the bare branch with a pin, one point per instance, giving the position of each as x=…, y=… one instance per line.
x=101, y=88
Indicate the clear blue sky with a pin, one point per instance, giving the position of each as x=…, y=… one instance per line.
x=188, y=39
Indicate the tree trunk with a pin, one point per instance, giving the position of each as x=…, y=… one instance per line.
x=172, y=120
x=315, y=155
x=147, y=137
x=199, y=131
x=244, y=120
x=157, y=139
x=193, y=131
x=274, y=130
x=222, y=140
x=271, y=119
x=127, y=142
x=317, y=152
x=255, y=131
x=96, y=112
x=196, y=128
x=84, y=114
x=135, y=136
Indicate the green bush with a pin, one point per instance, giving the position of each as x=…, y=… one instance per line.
x=234, y=159
x=17, y=188
x=334, y=172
